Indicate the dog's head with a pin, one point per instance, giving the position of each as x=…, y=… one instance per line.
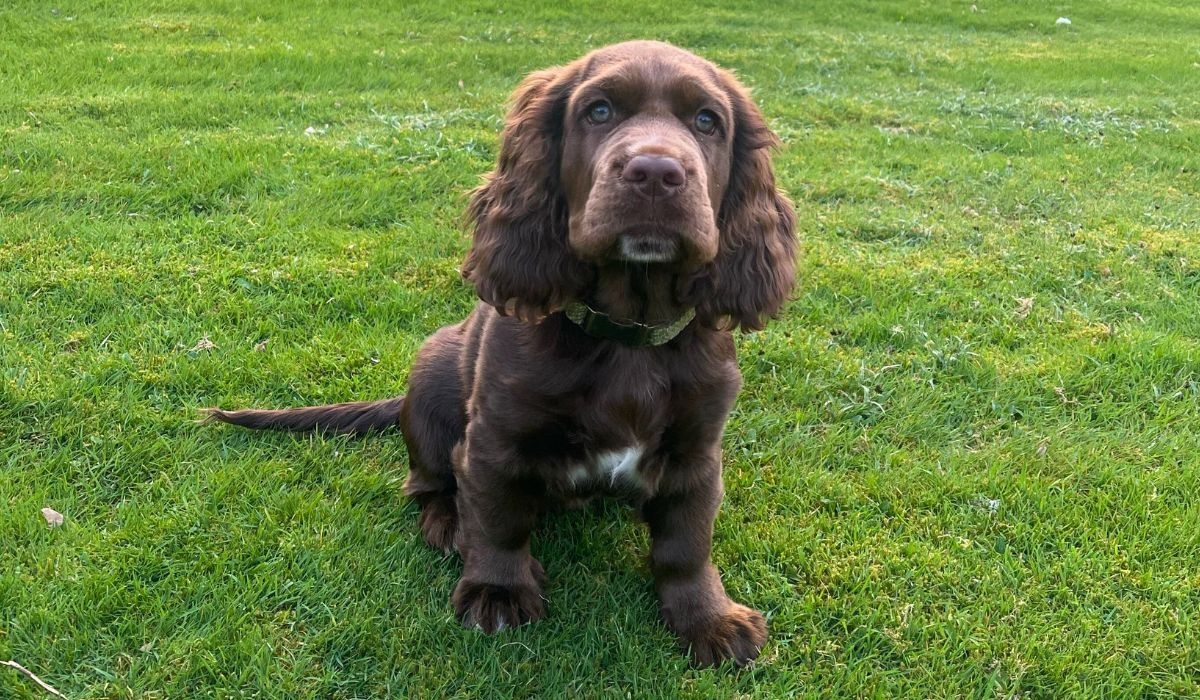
x=639, y=153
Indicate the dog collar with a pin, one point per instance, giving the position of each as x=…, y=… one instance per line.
x=638, y=335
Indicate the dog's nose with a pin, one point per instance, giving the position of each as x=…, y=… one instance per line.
x=654, y=176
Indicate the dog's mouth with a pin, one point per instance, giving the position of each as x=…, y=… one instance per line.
x=648, y=248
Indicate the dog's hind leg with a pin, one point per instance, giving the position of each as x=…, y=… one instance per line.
x=434, y=421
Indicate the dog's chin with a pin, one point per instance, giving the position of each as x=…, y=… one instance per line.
x=648, y=249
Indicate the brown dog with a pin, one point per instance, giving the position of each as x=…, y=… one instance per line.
x=631, y=223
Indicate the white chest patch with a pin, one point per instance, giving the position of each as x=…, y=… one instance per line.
x=611, y=466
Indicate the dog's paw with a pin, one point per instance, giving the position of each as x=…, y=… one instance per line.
x=738, y=633
x=439, y=523
x=491, y=608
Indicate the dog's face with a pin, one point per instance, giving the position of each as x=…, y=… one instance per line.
x=639, y=153
x=646, y=156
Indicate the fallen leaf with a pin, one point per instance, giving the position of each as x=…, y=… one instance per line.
x=1061, y=393
x=203, y=344
x=53, y=517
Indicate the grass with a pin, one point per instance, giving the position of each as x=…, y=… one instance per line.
x=964, y=463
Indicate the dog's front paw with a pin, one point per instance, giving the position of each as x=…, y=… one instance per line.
x=491, y=607
x=737, y=633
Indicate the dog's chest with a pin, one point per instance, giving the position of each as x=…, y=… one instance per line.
x=614, y=432
x=610, y=468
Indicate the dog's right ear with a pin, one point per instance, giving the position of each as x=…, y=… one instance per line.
x=520, y=261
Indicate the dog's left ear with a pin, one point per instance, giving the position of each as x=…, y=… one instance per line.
x=755, y=266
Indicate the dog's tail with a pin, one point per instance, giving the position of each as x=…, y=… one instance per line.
x=352, y=418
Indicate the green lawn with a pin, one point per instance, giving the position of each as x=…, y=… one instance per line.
x=966, y=462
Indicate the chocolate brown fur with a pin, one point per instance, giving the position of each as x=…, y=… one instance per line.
x=641, y=212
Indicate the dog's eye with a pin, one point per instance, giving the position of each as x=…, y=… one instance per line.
x=706, y=121
x=599, y=112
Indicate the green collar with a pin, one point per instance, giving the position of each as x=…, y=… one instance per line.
x=631, y=333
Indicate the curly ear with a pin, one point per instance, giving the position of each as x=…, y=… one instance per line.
x=756, y=262
x=520, y=261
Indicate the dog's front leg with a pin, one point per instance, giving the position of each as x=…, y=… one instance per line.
x=694, y=604
x=501, y=582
